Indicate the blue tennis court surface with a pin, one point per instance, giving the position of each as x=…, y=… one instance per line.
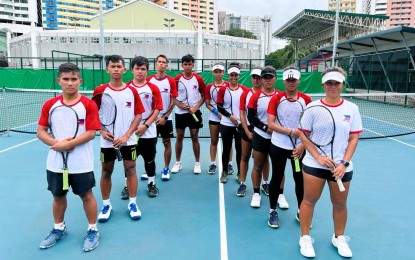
x=184, y=222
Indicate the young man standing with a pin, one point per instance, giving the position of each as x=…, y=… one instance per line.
x=188, y=103
x=80, y=157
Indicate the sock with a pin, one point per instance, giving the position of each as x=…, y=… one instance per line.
x=60, y=226
x=298, y=211
x=92, y=227
x=271, y=210
x=150, y=179
x=230, y=163
x=256, y=190
x=106, y=202
x=125, y=182
x=242, y=183
x=212, y=163
x=133, y=200
x=265, y=182
x=197, y=163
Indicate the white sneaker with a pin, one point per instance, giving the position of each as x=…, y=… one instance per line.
x=135, y=213
x=165, y=174
x=105, y=213
x=197, y=169
x=306, y=246
x=144, y=176
x=282, y=202
x=342, y=247
x=256, y=200
x=176, y=167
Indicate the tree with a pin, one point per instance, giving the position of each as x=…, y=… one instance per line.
x=283, y=57
x=239, y=33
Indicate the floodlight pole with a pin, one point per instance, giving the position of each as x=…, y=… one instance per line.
x=169, y=25
x=101, y=35
x=336, y=33
x=75, y=19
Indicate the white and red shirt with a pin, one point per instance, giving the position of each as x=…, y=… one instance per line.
x=149, y=107
x=348, y=121
x=128, y=105
x=259, y=101
x=243, y=105
x=81, y=158
x=279, y=139
x=168, y=90
x=230, y=98
x=195, y=87
x=211, y=94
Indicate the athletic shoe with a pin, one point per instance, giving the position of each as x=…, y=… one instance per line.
x=165, y=174
x=224, y=177
x=306, y=246
x=91, y=240
x=265, y=188
x=230, y=169
x=152, y=190
x=144, y=177
x=273, y=220
x=135, y=213
x=124, y=193
x=237, y=178
x=212, y=169
x=105, y=213
x=282, y=202
x=52, y=238
x=197, y=169
x=176, y=167
x=256, y=200
x=342, y=247
x=241, y=190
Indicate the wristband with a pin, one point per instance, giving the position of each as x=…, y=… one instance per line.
x=215, y=111
x=166, y=118
x=291, y=132
x=147, y=125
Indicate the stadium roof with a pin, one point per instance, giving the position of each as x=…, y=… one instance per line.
x=400, y=37
x=317, y=27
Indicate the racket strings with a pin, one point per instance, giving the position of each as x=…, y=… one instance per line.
x=289, y=114
x=63, y=122
x=320, y=122
x=107, y=111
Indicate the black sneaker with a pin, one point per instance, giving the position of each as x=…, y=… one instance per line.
x=212, y=169
x=265, y=188
x=241, y=190
x=230, y=169
x=273, y=220
x=224, y=177
x=124, y=193
x=152, y=190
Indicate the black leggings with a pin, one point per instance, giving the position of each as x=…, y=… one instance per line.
x=228, y=133
x=146, y=147
x=279, y=158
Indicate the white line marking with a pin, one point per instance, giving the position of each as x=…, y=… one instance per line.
x=10, y=148
x=222, y=212
x=391, y=138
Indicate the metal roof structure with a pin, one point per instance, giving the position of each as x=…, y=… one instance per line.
x=317, y=27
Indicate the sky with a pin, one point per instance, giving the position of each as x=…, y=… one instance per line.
x=281, y=11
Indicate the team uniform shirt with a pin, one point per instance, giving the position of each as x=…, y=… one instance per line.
x=146, y=100
x=211, y=94
x=259, y=101
x=128, y=105
x=81, y=158
x=243, y=104
x=194, y=86
x=279, y=139
x=230, y=98
x=348, y=121
x=168, y=90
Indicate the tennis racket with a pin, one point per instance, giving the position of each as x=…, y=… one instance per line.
x=107, y=115
x=63, y=124
x=167, y=97
x=149, y=103
x=288, y=115
x=183, y=97
x=319, y=120
x=214, y=94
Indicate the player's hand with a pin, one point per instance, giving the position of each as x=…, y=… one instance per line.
x=234, y=120
x=107, y=136
x=62, y=145
x=183, y=106
x=296, y=133
x=249, y=134
x=298, y=151
x=141, y=129
x=192, y=110
x=161, y=121
x=120, y=141
x=339, y=171
x=326, y=162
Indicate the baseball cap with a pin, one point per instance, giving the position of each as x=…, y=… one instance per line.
x=268, y=71
x=291, y=74
x=333, y=75
x=218, y=67
x=256, y=72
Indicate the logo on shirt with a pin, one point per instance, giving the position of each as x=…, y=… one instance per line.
x=146, y=96
x=194, y=87
x=166, y=89
x=128, y=104
x=81, y=121
x=346, y=118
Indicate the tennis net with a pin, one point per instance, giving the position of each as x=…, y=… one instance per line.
x=383, y=114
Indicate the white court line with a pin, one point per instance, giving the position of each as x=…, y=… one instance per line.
x=10, y=148
x=391, y=138
x=222, y=212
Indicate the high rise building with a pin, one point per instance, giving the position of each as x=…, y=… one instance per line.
x=63, y=14
x=203, y=12
x=17, y=16
x=348, y=6
x=375, y=7
x=400, y=12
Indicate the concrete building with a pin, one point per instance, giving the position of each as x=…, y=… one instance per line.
x=401, y=13
x=348, y=6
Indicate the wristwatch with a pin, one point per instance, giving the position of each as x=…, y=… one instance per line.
x=345, y=163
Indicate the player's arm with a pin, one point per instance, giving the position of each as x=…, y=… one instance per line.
x=312, y=150
x=340, y=169
x=202, y=87
x=44, y=136
x=220, y=101
x=272, y=116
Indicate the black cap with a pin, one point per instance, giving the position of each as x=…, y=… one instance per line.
x=268, y=71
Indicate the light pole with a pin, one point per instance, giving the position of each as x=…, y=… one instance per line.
x=336, y=33
x=266, y=21
x=75, y=19
x=169, y=25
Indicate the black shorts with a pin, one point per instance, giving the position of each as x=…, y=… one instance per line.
x=147, y=148
x=81, y=183
x=166, y=130
x=214, y=122
x=127, y=152
x=244, y=136
x=186, y=120
x=326, y=174
x=261, y=144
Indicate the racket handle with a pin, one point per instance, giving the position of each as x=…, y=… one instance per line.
x=137, y=137
x=195, y=118
x=297, y=164
x=118, y=154
x=340, y=184
x=65, y=179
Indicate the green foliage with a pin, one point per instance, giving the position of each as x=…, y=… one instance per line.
x=281, y=58
x=239, y=33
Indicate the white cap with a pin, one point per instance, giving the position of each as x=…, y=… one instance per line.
x=218, y=67
x=333, y=75
x=234, y=70
x=291, y=74
x=256, y=72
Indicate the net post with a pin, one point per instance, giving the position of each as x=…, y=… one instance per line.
x=6, y=111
